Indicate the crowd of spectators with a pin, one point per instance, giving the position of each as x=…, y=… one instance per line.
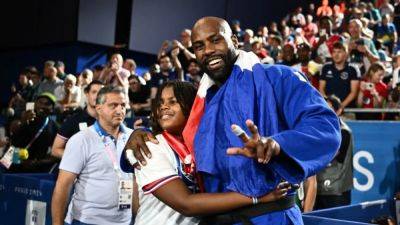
x=346, y=49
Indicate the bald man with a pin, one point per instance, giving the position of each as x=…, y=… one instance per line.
x=51, y=81
x=114, y=74
x=289, y=131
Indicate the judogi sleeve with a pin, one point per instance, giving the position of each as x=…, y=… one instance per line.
x=312, y=136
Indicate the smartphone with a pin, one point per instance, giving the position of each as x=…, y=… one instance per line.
x=30, y=106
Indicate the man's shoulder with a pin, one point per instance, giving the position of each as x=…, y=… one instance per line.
x=72, y=123
x=328, y=65
x=85, y=135
x=281, y=72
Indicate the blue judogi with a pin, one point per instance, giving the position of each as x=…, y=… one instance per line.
x=285, y=107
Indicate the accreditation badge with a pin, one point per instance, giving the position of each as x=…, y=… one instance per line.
x=125, y=194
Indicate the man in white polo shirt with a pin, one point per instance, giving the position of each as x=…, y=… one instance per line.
x=102, y=192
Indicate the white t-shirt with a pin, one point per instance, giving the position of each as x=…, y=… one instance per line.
x=75, y=92
x=161, y=168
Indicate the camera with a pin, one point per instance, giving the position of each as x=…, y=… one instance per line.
x=369, y=86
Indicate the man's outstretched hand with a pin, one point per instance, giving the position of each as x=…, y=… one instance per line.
x=137, y=142
x=261, y=148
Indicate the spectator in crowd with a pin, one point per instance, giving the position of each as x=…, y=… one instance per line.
x=373, y=92
x=89, y=168
x=26, y=87
x=139, y=97
x=326, y=39
x=324, y=9
x=34, y=80
x=60, y=66
x=373, y=14
x=396, y=14
x=337, y=18
x=84, y=79
x=168, y=71
x=298, y=14
x=310, y=30
x=97, y=70
x=130, y=65
x=195, y=73
x=293, y=23
x=114, y=74
x=289, y=57
x=247, y=40
x=395, y=74
x=311, y=10
x=34, y=132
x=79, y=121
x=21, y=95
x=336, y=180
x=47, y=64
x=51, y=81
x=273, y=29
x=68, y=95
x=386, y=33
x=362, y=50
x=237, y=30
x=354, y=3
x=185, y=48
x=274, y=47
x=258, y=49
x=365, y=30
x=306, y=65
x=340, y=78
x=386, y=8
x=262, y=35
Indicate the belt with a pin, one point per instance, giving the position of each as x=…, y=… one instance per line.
x=244, y=215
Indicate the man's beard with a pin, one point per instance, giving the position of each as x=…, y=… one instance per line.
x=221, y=75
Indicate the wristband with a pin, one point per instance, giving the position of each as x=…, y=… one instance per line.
x=255, y=200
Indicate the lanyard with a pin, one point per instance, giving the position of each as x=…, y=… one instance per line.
x=107, y=145
x=38, y=133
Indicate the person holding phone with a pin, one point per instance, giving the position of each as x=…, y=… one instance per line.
x=326, y=39
x=362, y=50
x=373, y=92
x=35, y=132
x=114, y=74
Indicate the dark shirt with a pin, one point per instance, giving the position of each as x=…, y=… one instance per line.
x=71, y=124
x=39, y=159
x=140, y=96
x=183, y=59
x=27, y=93
x=159, y=78
x=338, y=82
